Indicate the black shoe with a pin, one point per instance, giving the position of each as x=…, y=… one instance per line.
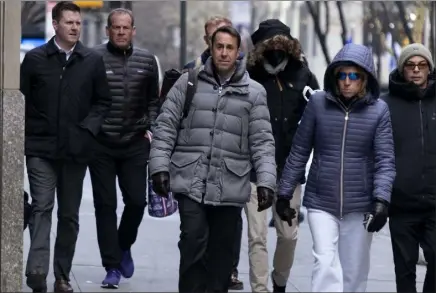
x=62, y=286
x=277, y=288
x=235, y=283
x=271, y=223
x=37, y=283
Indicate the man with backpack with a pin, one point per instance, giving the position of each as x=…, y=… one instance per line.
x=204, y=146
x=277, y=62
x=171, y=76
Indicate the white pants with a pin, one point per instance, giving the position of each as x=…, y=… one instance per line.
x=342, y=252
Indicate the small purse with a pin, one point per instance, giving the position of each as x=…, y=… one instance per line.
x=158, y=206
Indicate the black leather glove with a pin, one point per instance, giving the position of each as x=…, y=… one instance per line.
x=265, y=198
x=161, y=183
x=284, y=210
x=379, y=214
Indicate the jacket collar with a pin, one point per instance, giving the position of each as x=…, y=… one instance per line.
x=117, y=51
x=399, y=87
x=238, y=83
x=52, y=49
x=205, y=55
x=237, y=77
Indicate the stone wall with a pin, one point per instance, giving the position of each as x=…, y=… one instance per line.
x=11, y=148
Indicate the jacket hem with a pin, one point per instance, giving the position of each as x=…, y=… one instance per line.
x=335, y=212
x=207, y=202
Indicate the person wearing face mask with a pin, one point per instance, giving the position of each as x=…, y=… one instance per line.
x=352, y=172
x=412, y=102
x=276, y=62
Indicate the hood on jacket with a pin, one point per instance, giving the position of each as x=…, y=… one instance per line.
x=399, y=87
x=355, y=55
x=281, y=42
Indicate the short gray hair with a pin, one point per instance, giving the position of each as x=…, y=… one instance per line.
x=120, y=11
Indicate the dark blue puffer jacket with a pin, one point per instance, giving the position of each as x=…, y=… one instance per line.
x=353, y=150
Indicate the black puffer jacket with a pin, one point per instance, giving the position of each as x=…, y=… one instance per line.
x=284, y=91
x=413, y=115
x=134, y=84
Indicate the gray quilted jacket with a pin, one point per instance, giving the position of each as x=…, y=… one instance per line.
x=353, y=151
x=209, y=154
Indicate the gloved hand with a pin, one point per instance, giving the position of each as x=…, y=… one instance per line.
x=284, y=210
x=161, y=183
x=380, y=215
x=265, y=198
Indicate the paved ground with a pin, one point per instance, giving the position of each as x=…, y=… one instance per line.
x=157, y=257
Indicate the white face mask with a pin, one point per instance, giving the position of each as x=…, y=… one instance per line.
x=274, y=70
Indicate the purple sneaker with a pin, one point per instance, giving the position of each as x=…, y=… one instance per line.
x=112, y=280
x=127, y=267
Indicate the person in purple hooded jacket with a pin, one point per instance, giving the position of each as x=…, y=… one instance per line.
x=351, y=176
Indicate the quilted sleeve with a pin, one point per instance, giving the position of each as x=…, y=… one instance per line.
x=384, y=154
x=295, y=166
x=167, y=126
x=261, y=142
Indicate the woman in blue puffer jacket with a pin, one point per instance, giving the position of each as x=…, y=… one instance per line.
x=350, y=180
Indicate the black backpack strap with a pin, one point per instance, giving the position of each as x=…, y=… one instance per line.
x=190, y=90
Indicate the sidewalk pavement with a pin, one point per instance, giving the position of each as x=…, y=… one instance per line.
x=156, y=257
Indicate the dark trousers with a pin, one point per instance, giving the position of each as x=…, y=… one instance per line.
x=408, y=232
x=237, y=246
x=129, y=164
x=46, y=177
x=207, y=240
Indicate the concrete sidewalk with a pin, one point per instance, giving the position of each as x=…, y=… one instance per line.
x=157, y=257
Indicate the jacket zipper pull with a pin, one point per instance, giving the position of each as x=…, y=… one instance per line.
x=279, y=84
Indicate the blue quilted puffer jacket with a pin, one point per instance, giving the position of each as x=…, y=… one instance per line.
x=353, y=151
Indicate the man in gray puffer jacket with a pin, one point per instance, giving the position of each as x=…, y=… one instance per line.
x=205, y=160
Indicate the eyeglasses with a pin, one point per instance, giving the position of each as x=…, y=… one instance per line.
x=350, y=75
x=412, y=66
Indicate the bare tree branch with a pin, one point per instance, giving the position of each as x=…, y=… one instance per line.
x=343, y=24
x=319, y=33
x=389, y=29
x=327, y=18
x=376, y=36
x=402, y=14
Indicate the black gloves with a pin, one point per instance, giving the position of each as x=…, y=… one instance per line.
x=264, y=198
x=161, y=183
x=379, y=215
x=284, y=210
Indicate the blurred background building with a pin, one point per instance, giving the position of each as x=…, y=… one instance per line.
x=173, y=30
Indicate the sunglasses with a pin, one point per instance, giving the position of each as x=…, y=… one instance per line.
x=412, y=66
x=351, y=75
